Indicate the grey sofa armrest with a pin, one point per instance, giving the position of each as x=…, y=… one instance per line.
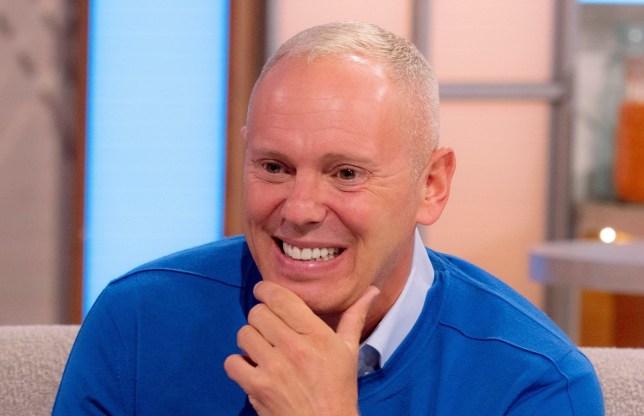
x=621, y=374
x=32, y=359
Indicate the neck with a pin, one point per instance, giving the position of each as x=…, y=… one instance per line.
x=390, y=287
x=378, y=309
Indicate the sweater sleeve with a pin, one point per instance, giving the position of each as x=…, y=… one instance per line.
x=99, y=375
x=571, y=388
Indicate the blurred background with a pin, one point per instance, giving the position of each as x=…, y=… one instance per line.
x=119, y=136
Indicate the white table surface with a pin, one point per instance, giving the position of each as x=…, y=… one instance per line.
x=590, y=265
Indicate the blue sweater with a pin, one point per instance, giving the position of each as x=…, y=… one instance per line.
x=155, y=342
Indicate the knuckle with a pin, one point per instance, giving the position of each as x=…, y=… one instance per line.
x=273, y=367
x=256, y=312
x=279, y=296
x=231, y=365
x=244, y=334
x=271, y=292
x=299, y=352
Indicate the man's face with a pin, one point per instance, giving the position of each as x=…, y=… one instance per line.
x=330, y=204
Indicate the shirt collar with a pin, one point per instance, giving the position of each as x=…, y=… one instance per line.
x=404, y=313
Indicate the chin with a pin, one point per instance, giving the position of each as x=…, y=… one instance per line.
x=321, y=299
x=324, y=306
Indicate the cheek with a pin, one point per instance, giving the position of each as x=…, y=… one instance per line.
x=380, y=225
x=258, y=201
x=355, y=212
x=368, y=213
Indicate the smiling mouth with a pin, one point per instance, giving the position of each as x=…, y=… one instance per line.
x=310, y=253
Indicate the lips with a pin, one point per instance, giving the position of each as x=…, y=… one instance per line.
x=310, y=253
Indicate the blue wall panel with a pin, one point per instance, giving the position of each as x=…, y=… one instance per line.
x=155, y=132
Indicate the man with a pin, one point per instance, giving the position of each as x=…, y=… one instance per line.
x=335, y=305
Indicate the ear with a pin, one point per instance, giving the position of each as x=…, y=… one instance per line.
x=244, y=135
x=435, y=181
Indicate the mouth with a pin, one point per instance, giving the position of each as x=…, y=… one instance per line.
x=309, y=253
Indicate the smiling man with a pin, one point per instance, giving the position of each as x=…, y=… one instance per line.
x=330, y=304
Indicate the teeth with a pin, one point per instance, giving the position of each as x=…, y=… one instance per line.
x=308, y=254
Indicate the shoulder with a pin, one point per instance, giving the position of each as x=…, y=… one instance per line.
x=222, y=272
x=208, y=281
x=226, y=261
x=145, y=326
x=486, y=323
x=482, y=307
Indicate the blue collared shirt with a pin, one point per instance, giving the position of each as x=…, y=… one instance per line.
x=404, y=313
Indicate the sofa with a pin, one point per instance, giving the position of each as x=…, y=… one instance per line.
x=32, y=359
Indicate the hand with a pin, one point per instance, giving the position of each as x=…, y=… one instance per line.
x=295, y=363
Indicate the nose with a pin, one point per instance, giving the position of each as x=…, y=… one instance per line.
x=303, y=205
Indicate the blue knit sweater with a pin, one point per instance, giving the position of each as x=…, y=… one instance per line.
x=155, y=342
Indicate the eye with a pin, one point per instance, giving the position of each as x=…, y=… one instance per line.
x=272, y=171
x=273, y=167
x=347, y=174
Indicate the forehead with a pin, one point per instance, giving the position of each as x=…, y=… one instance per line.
x=342, y=87
x=295, y=79
x=340, y=103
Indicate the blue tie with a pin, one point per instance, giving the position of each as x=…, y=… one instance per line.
x=368, y=360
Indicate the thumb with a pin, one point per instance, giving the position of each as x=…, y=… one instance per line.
x=353, y=319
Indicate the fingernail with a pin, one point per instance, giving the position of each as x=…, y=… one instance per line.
x=373, y=292
x=255, y=287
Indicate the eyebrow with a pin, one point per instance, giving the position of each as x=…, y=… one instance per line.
x=263, y=152
x=339, y=157
x=327, y=158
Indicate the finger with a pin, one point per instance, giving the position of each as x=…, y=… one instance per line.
x=353, y=319
x=256, y=347
x=240, y=370
x=288, y=307
x=270, y=326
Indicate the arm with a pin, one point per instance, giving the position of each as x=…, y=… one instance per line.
x=98, y=379
x=572, y=388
